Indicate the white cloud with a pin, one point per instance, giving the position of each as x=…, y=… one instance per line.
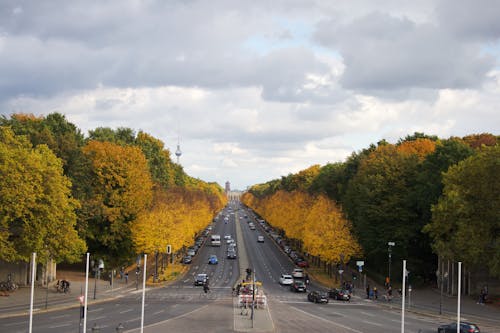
x=255, y=89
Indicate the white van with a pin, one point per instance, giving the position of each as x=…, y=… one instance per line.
x=215, y=240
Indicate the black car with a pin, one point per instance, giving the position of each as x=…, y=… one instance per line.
x=339, y=294
x=465, y=327
x=187, y=259
x=298, y=286
x=317, y=297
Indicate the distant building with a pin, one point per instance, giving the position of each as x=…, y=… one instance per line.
x=228, y=187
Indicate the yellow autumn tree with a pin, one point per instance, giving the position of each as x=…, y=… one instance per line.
x=121, y=191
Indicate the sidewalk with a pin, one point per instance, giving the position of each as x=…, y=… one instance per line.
x=17, y=303
x=426, y=301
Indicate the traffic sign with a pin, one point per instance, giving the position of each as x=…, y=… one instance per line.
x=169, y=249
x=360, y=263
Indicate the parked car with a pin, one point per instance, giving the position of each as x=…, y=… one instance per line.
x=260, y=239
x=298, y=273
x=301, y=263
x=212, y=260
x=317, y=297
x=187, y=259
x=286, y=279
x=200, y=279
x=298, y=286
x=191, y=252
x=339, y=294
x=465, y=327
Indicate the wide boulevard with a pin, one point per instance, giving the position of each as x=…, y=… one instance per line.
x=183, y=307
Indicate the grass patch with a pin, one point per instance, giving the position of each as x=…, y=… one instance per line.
x=170, y=273
x=318, y=274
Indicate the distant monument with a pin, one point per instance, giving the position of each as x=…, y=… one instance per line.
x=178, y=152
x=228, y=187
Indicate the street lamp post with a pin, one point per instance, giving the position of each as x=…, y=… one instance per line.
x=390, y=244
x=441, y=278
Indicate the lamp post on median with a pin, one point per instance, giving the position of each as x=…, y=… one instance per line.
x=390, y=244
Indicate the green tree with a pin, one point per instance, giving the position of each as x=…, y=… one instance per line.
x=465, y=224
x=37, y=212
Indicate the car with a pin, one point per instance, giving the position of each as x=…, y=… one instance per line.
x=260, y=239
x=229, y=241
x=298, y=273
x=298, y=286
x=200, y=279
x=231, y=254
x=191, y=252
x=227, y=237
x=301, y=263
x=187, y=259
x=339, y=294
x=212, y=260
x=286, y=279
x=317, y=297
x=465, y=327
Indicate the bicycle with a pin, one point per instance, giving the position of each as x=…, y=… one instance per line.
x=8, y=285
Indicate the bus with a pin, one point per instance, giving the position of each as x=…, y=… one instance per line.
x=215, y=240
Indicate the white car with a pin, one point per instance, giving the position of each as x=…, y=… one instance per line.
x=227, y=236
x=298, y=273
x=260, y=239
x=286, y=279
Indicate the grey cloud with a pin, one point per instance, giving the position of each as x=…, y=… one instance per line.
x=82, y=45
x=470, y=19
x=382, y=52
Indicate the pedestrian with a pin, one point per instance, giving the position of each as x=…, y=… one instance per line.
x=307, y=279
x=126, y=277
x=389, y=293
x=481, y=297
x=368, y=291
x=375, y=292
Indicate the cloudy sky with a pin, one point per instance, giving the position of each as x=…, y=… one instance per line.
x=255, y=90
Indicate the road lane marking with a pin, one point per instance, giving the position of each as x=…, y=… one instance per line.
x=13, y=324
x=57, y=317
x=95, y=310
x=125, y=311
x=328, y=321
x=62, y=325
x=368, y=314
x=371, y=323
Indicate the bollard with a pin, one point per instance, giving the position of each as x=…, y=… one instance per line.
x=96, y=328
x=119, y=328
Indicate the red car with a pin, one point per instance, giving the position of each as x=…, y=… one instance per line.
x=302, y=263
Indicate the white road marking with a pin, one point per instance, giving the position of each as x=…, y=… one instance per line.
x=125, y=311
x=372, y=323
x=57, y=317
x=328, y=321
x=95, y=310
x=367, y=314
x=62, y=325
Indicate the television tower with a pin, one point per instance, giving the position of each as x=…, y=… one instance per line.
x=178, y=152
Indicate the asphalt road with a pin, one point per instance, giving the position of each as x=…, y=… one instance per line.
x=182, y=307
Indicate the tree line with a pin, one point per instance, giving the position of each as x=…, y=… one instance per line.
x=113, y=193
x=430, y=196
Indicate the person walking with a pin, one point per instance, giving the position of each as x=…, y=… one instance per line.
x=368, y=291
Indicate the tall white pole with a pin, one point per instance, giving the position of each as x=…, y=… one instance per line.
x=33, y=274
x=86, y=294
x=143, y=292
x=458, y=294
x=403, y=298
